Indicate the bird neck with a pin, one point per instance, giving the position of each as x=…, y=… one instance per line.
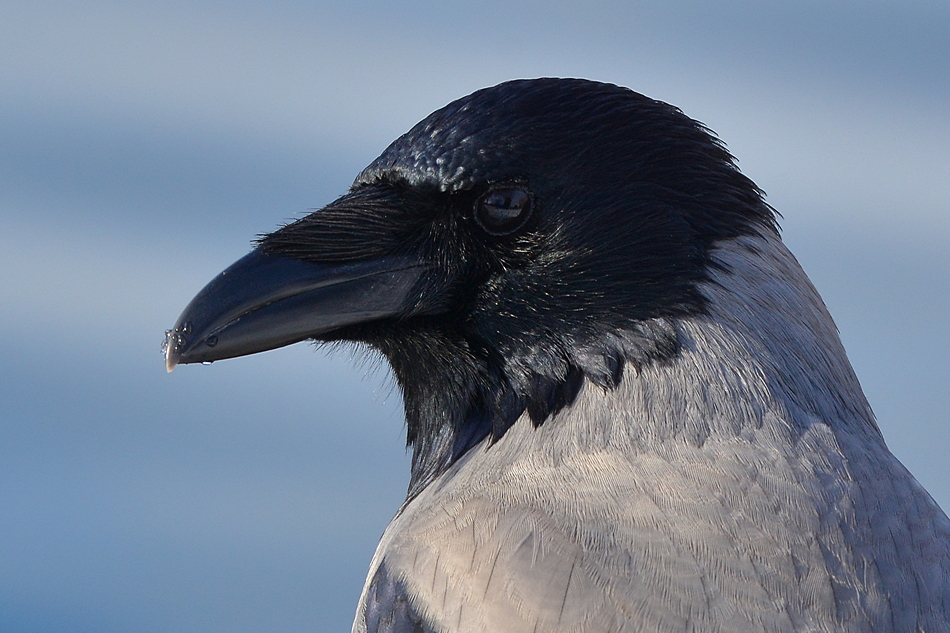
x=765, y=355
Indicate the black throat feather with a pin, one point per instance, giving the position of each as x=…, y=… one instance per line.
x=458, y=393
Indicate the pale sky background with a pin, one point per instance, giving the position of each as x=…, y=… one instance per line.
x=142, y=147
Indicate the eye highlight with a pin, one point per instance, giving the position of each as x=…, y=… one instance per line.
x=504, y=210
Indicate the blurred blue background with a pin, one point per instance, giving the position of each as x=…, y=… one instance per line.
x=143, y=145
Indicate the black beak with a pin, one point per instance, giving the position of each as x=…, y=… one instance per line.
x=265, y=301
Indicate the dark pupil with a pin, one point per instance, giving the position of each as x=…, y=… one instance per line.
x=502, y=209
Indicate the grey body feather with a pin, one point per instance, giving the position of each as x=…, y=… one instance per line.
x=711, y=493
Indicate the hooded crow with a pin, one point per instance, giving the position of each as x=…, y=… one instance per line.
x=627, y=406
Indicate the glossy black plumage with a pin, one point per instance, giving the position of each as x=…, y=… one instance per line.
x=516, y=322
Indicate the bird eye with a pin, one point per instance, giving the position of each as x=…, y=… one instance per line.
x=503, y=211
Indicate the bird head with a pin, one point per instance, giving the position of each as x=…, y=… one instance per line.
x=511, y=247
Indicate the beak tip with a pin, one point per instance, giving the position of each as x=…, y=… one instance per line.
x=171, y=349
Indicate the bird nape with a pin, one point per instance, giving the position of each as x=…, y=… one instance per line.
x=628, y=408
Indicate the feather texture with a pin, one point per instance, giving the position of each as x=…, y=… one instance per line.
x=712, y=493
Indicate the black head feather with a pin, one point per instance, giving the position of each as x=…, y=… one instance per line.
x=627, y=196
